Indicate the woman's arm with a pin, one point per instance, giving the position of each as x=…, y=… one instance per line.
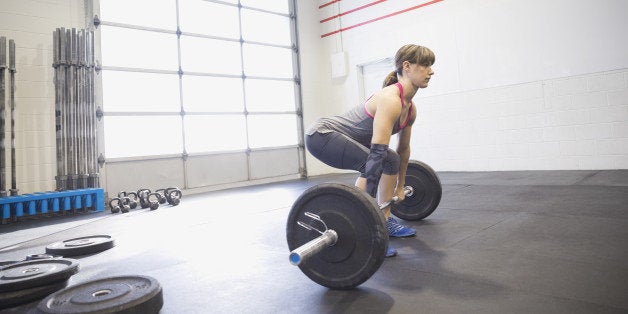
x=403, y=149
x=387, y=111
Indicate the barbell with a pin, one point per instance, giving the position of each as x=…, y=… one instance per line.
x=328, y=236
x=337, y=233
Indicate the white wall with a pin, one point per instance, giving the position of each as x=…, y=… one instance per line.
x=518, y=84
x=578, y=122
x=30, y=24
x=315, y=79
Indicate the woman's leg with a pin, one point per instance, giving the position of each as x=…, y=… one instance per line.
x=385, y=189
x=337, y=150
x=340, y=151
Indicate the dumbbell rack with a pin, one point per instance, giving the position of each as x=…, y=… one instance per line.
x=13, y=207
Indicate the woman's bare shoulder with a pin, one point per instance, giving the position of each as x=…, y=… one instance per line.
x=389, y=95
x=385, y=99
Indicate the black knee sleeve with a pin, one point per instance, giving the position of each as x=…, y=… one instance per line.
x=374, y=167
x=392, y=163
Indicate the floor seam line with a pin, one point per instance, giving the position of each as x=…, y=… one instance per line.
x=481, y=230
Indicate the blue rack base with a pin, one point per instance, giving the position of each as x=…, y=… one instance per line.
x=51, y=202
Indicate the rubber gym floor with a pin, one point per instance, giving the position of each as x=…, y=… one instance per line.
x=500, y=242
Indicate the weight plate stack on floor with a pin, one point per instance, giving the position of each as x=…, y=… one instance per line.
x=81, y=246
x=14, y=298
x=426, y=195
x=30, y=257
x=28, y=281
x=35, y=273
x=123, y=294
x=362, y=238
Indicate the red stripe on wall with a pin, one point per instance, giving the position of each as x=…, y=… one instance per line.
x=328, y=3
x=380, y=18
x=352, y=10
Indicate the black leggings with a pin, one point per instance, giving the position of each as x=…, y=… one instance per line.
x=340, y=151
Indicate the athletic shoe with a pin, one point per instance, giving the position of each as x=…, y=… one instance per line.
x=390, y=251
x=397, y=230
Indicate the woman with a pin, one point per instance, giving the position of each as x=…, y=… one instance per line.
x=359, y=139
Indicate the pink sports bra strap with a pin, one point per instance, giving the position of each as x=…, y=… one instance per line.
x=400, y=92
x=402, y=103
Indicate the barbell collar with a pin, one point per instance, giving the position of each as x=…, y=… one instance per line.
x=307, y=250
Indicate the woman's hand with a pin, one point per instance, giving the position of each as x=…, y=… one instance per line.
x=400, y=194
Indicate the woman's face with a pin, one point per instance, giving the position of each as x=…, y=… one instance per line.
x=418, y=74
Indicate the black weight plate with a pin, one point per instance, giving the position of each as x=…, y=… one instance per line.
x=81, y=246
x=30, y=258
x=362, y=236
x=34, y=273
x=123, y=294
x=6, y=263
x=19, y=297
x=426, y=196
x=33, y=257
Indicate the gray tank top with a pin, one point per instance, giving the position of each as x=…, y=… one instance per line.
x=357, y=123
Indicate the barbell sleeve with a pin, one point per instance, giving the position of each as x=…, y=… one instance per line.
x=307, y=250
